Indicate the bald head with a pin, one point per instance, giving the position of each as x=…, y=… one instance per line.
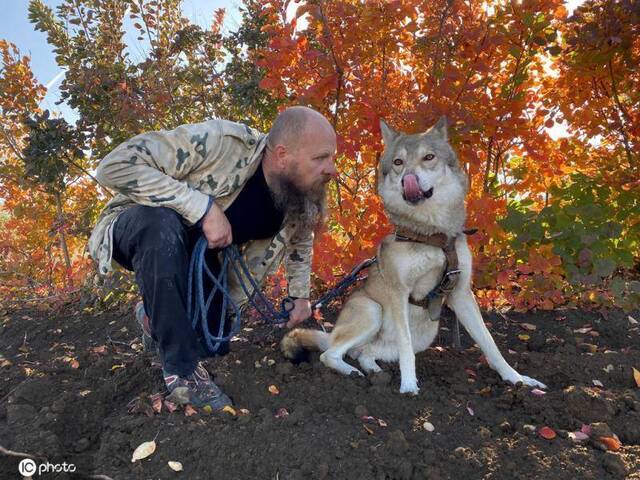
x=291, y=126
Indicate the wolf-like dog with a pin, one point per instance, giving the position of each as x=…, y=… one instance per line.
x=423, y=189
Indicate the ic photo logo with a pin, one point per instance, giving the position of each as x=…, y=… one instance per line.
x=29, y=468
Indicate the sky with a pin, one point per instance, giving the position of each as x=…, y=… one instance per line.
x=16, y=28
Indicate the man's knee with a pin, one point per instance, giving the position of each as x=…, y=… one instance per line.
x=159, y=227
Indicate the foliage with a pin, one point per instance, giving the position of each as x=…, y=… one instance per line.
x=558, y=219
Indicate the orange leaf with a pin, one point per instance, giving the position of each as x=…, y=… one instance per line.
x=189, y=410
x=636, y=377
x=611, y=443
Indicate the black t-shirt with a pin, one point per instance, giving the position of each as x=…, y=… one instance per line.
x=253, y=214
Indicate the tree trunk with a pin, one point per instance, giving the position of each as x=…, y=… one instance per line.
x=63, y=242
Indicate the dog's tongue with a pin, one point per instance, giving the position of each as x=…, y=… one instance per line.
x=411, y=188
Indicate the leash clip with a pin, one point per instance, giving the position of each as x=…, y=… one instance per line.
x=449, y=281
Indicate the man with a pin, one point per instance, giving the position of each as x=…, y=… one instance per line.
x=231, y=183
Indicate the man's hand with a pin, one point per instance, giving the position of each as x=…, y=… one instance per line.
x=301, y=311
x=216, y=228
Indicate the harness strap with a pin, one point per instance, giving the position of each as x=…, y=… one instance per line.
x=451, y=271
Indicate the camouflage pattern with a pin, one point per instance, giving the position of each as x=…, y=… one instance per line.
x=180, y=169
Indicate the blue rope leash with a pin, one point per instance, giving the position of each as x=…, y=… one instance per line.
x=198, y=306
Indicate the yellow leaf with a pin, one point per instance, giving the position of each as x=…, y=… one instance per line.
x=115, y=367
x=207, y=409
x=274, y=390
x=636, y=377
x=229, y=410
x=143, y=451
x=524, y=337
x=175, y=466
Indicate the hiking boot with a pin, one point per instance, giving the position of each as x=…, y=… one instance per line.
x=197, y=389
x=148, y=343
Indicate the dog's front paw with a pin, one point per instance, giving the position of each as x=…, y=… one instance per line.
x=409, y=387
x=516, y=378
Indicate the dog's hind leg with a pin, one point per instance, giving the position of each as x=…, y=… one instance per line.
x=368, y=362
x=358, y=323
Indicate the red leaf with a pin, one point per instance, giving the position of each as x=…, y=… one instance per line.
x=548, y=433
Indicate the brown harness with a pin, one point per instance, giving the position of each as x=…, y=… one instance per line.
x=451, y=271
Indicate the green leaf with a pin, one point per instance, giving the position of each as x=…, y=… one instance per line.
x=604, y=267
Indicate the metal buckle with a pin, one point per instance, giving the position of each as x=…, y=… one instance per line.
x=449, y=281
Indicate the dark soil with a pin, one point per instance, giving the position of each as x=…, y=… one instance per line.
x=79, y=415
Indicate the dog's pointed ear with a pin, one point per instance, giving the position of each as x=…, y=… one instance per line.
x=388, y=134
x=441, y=127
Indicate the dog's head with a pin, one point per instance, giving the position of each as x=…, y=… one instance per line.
x=420, y=173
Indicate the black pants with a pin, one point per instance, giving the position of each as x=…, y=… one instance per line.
x=156, y=244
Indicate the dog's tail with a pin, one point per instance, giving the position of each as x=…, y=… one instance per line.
x=297, y=342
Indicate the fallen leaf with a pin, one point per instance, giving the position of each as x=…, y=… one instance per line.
x=189, y=410
x=470, y=409
x=636, y=376
x=548, y=433
x=578, y=436
x=5, y=363
x=428, y=426
x=528, y=326
x=611, y=443
x=538, y=393
x=74, y=363
x=143, y=451
x=317, y=315
x=230, y=410
x=170, y=406
x=271, y=362
x=282, y=412
x=244, y=411
x=512, y=352
x=100, y=350
x=115, y=367
x=632, y=320
x=470, y=372
x=175, y=466
x=586, y=429
x=84, y=393
x=583, y=330
x=156, y=401
x=597, y=383
x=485, y=392
x=524, y=337
x=274, y=390
x=382, y=423
x=608, y=368
x=207, y=409
x=368, y=430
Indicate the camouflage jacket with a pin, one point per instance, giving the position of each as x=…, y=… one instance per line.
x=180, y=169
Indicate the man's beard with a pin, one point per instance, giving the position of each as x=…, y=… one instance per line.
x=306, y=208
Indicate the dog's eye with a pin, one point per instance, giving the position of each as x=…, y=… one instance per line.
x=429, y=156
x=397, y=161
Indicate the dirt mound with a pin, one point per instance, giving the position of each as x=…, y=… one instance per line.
x=67, y=383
